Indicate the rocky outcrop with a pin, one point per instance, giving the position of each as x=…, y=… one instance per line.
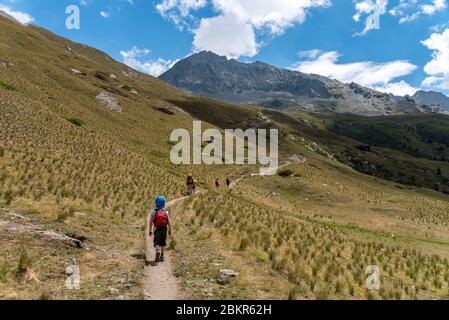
x=15, y=222
x=168, y=111
x=295, y=159
x=226, y=275
x=109, y=101
x=432, y=99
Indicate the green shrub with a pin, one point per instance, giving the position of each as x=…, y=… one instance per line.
x=5, y=85
x=76, y=121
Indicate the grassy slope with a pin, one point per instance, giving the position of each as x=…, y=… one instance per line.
x=62, y=152
x=313, y=235
x=309, y=236
x=424, y=136
x=338, y=221
x=384, y=160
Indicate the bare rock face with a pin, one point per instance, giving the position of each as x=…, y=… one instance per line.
x=207, y=74
x=225, y=276
x=432, y=99
x=18, y=223
x=109, y=102
x=296, y=159
x=129, y=74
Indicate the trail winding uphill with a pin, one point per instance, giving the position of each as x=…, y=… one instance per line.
x=159, y=282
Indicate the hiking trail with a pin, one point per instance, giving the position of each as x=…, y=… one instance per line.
x=159, y=282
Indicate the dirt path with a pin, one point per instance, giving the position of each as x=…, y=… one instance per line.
x=159, y=281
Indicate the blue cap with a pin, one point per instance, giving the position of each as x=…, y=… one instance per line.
x=160, y=202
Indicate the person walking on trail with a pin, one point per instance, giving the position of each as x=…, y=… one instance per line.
x=228, y=182
x=217, y=183
x=159, y=225
x=191, y=185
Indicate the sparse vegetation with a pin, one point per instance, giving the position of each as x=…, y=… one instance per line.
x=4, y=270
x=25, y=263
x=76, y=121
x=327, y=260
x=4, y=85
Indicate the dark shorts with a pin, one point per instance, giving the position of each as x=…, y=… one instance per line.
x=160, y=237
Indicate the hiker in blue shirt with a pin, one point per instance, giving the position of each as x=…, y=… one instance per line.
x=160, y=223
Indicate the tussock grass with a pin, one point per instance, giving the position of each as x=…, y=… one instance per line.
x=324, y=261
x=49, y=165
x=25, y=263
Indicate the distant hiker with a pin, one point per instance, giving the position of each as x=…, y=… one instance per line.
x=160, y=223
x=191, y=185
x=228, y=182
x=217, y=183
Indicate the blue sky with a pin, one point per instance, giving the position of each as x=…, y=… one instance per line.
x=395, y=46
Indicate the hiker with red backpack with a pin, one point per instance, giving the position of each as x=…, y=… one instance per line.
x=160, y=223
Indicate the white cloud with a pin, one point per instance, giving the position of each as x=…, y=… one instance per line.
x=373, y=9
x=22, y=17
x=247, y=19
x=410, y=10
x=309, y=54
x=135, y=58
x=438, y=68
x=400, y=88
x=179, y=11
x=182, y=6
x=275, y=15
x=226, y=35
x=105, y=14
x=434, y=7
x=366, y=73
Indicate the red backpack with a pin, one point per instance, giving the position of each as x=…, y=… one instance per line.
x=160, y=218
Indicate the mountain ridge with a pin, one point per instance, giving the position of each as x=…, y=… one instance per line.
x=208, y=74
x=432, y=98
